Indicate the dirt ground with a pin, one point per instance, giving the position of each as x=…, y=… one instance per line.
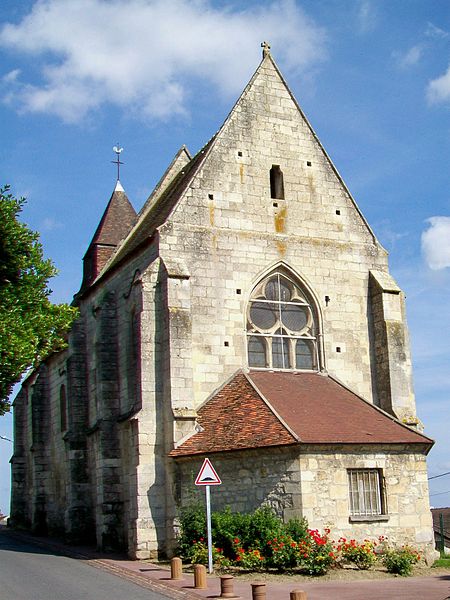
x=338, y=574
x=344, y=574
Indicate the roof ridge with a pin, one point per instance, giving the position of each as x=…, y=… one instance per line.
x=266, y=401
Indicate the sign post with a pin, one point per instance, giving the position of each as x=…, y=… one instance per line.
x=207, y=476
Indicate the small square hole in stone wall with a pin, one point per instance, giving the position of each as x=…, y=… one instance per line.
x=308, y=163
x=338, y=348
x=275, y=204
x=238, y=291
x=338, y=212
x=211, y=196
x=226, y=344
x=239, y=153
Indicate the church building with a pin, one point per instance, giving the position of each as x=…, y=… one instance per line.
x=245, y=314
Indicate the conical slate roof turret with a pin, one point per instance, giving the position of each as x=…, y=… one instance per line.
x=117, y=220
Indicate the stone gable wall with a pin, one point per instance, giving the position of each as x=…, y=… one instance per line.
x=228, y=231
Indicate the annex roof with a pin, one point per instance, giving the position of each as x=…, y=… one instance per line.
x=269, y=408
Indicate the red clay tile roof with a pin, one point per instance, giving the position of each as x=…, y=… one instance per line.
x=265, y=408
x=320, y=410
x=235, y=418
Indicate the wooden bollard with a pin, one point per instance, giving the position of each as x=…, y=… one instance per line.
x=298, y=595
x=176, y=568
x=226, y=587
x=200, y=577
x=258, y=591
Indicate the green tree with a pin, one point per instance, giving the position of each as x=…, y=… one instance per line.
x=31, y=327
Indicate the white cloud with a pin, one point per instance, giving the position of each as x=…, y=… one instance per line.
x=139, y=54
x=435, y=32
x=50, y=224
x=366, y=16
x=436, y=243
x=409, y=58
x=439, y=89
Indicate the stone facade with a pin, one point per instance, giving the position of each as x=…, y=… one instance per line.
x=163, y=326
x=313, y=482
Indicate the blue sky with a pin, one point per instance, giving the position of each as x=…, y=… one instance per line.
x=373, y=77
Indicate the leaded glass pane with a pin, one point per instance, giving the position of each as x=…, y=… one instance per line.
x=277, y=289
x=263, y=315
x=294, y=317
x=304, y=355
x=257, y=352
x=280, y=353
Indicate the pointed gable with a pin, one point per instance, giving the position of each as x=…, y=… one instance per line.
x=117, y=220
x=266, y=128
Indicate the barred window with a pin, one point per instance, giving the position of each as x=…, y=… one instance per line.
x=281, y=326
x=365, y=492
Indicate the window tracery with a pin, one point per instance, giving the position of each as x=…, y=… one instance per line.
x=281, y=326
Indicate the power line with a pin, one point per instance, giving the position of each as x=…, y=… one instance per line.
x=441, y=493
x=2, y=437
x=441, y=475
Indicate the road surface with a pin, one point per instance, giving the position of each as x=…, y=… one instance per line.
x=29, y=572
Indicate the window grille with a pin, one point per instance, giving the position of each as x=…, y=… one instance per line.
x=366, y=498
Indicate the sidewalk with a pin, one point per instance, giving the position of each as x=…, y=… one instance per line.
x=155, y=577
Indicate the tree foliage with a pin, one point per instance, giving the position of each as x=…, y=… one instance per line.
x=31, y=327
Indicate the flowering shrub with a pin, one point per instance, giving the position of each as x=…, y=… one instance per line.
x=198, y=552
x=250, y=559
x=261, y=540
x=362, y=555
x=281, y=552
x=400, y=560
x=198, y=555
x=316, y=553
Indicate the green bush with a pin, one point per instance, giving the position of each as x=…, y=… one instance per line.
x=193, y=528
x=226, y=526
x=297, y=529
x=263, y=526
x=400, y=560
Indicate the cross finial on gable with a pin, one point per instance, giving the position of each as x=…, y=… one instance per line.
x=266, y=49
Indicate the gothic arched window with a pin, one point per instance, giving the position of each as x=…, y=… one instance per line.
x=281, y=326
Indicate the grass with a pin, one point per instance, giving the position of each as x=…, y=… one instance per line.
x=442, y=562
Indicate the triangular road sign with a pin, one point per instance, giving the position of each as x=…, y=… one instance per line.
x=207, y=475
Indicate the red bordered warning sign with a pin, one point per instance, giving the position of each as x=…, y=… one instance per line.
x=207, y=474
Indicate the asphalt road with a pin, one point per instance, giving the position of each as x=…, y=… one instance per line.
x=29, y=572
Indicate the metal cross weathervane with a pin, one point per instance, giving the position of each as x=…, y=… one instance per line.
x=117, y=149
